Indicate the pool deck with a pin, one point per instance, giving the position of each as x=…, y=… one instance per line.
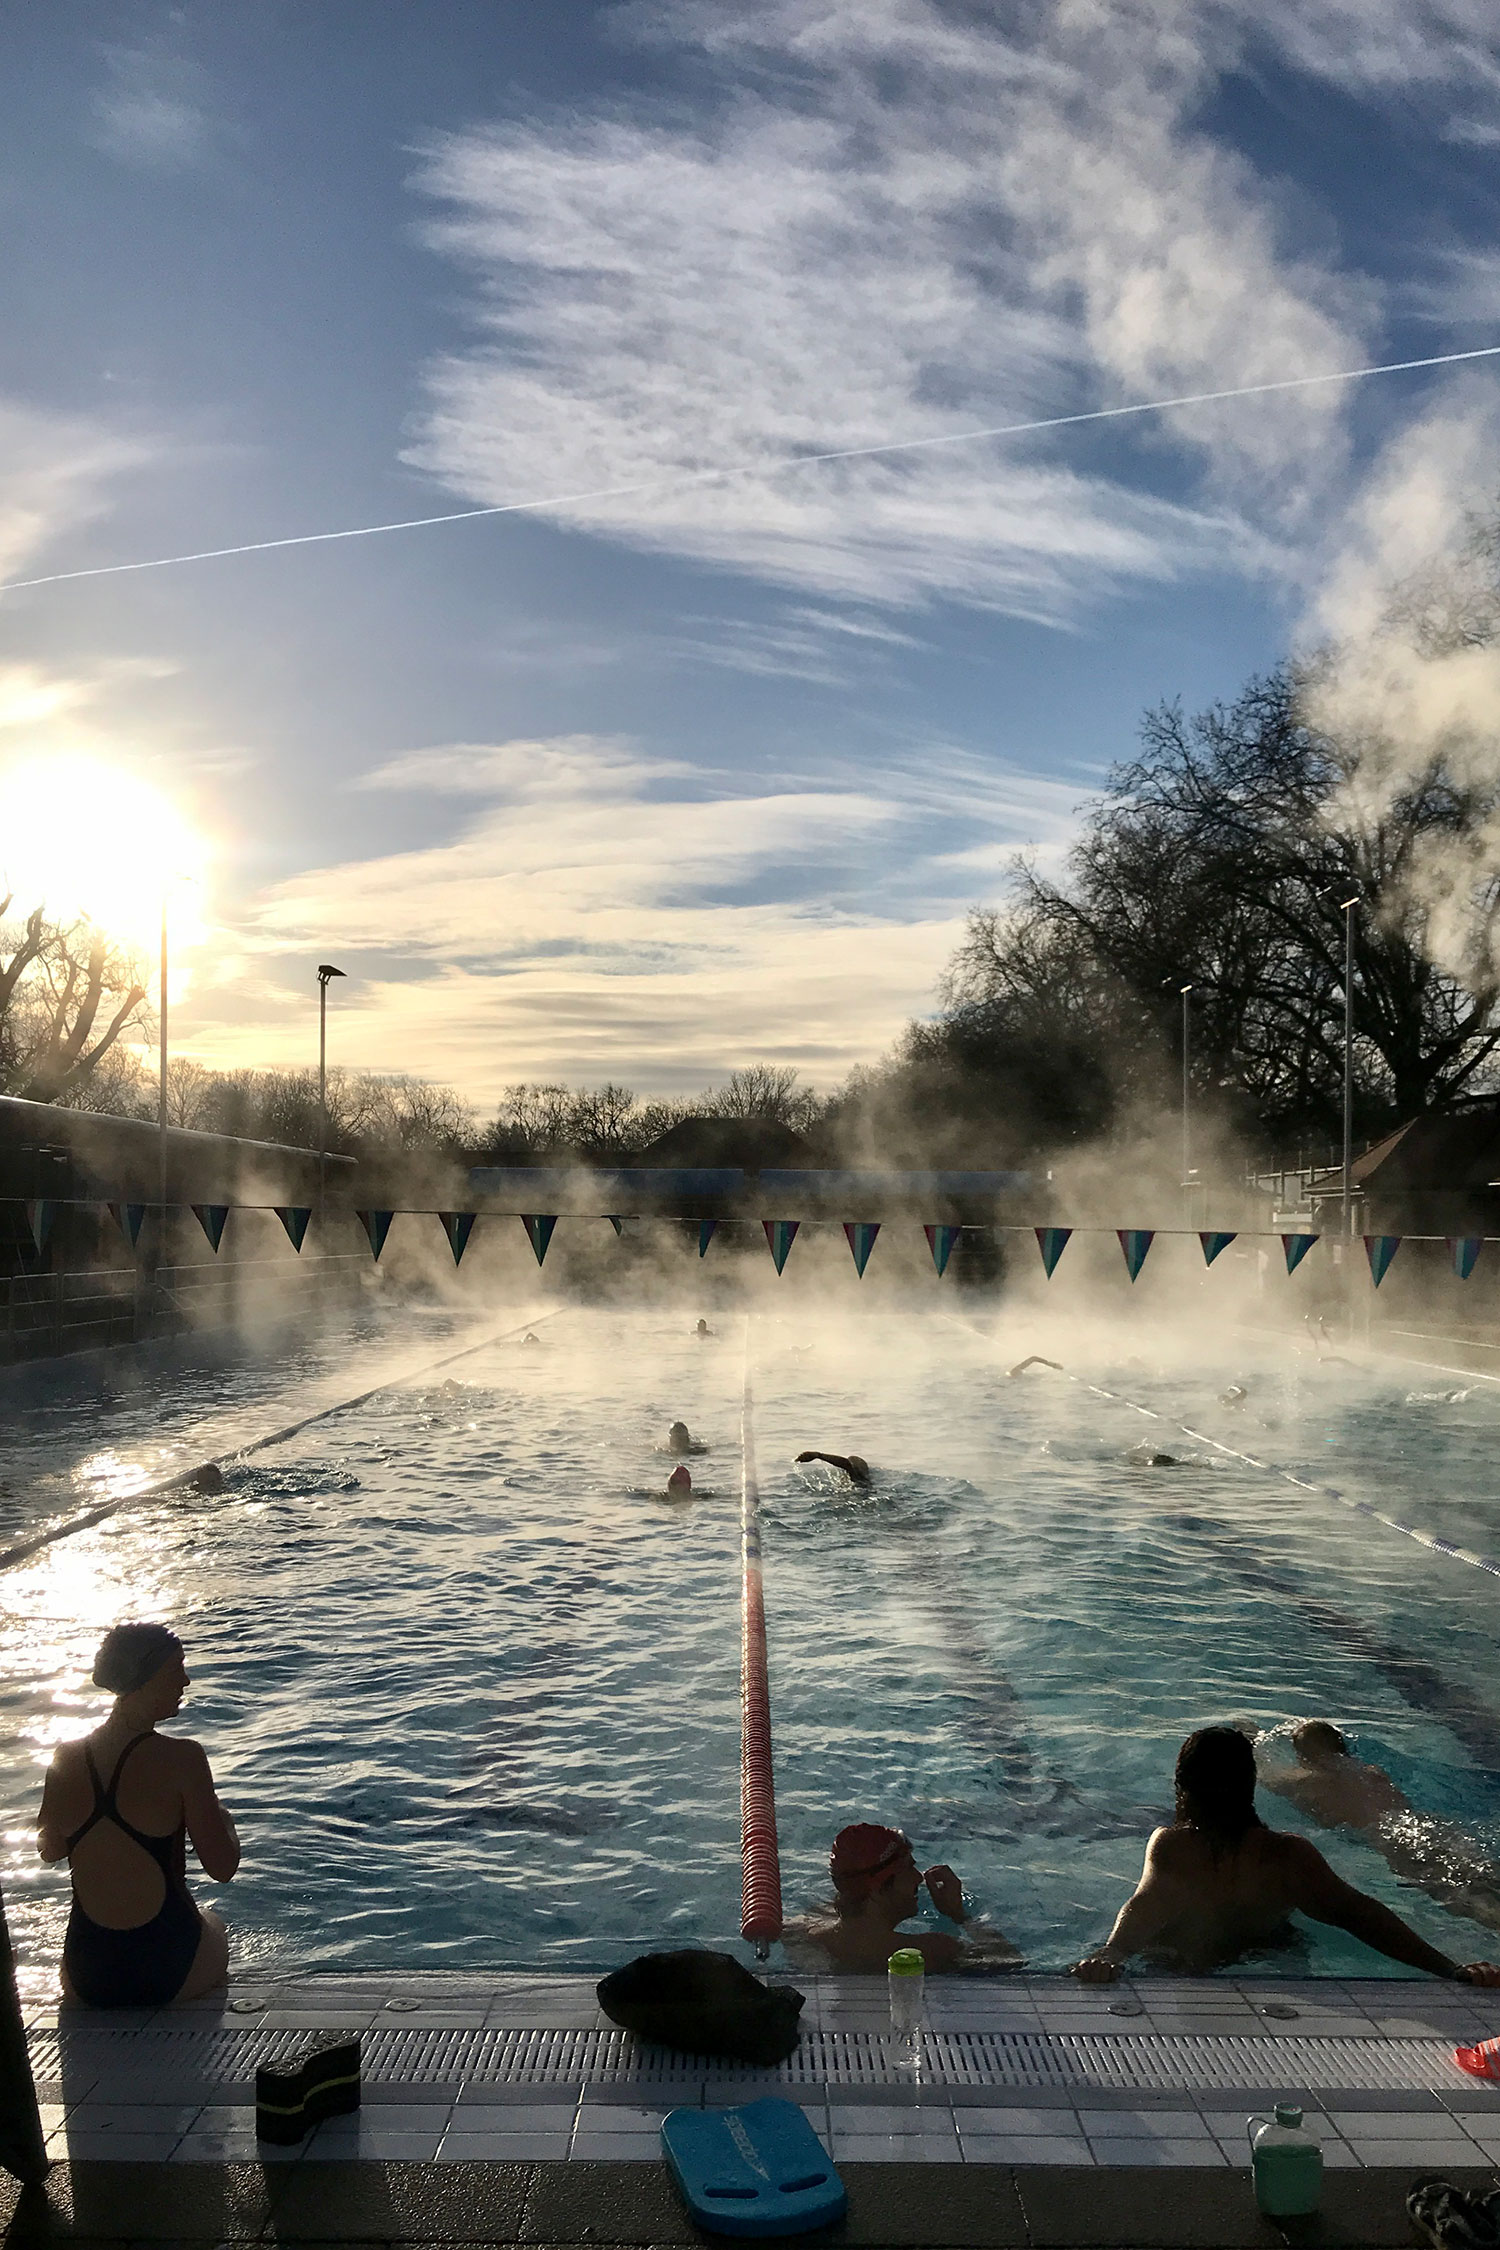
x=507, y=2109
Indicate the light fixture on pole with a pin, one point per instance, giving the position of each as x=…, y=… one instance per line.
x=1346, y=908
x=161, y=1098
x=1187, y=1177
x=326, y=970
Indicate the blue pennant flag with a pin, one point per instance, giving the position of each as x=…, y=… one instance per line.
x=294, y=1217
x=211, y=1217
x=616, y=1222
x=1135, y=1242
x=129, y=1218
x=377, y=1225
x=39, y=1217
x=1380, y=1249
x=458, y=1226
x=539, y=1232
x=860, y=1235
x=1213, y=1244
x=940, y=1241
x=1296, y=1247
x=705, y=1234
x=1052, y=1242
x=1464, y=1250
x=781, y=1234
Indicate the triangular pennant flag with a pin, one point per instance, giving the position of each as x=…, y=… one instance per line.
x=377, y=1225
x=860, y=1234
x=1380, y=1249
x=1213, y=1244
x=458, y=1226
x=1464, y=1250
x=617, y=1223
x=1296, y=1247
x=1135, y=1242
x=211, y=1217
x=39, y=1217
x=539, y=1233
x=294, y=1217
x=781, y=1234
x=940, y=1241
x=1052, y=1242
x=705, y=1234
x=129, y=1218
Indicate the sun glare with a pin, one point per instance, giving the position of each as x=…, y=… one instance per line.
x=79, y=836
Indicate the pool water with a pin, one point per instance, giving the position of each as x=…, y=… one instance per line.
x=470, y=1682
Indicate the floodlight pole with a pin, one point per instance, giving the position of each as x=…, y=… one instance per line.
x=1186, y=1140
x=326, y=970
x=1348, y=905
x=161, y=1104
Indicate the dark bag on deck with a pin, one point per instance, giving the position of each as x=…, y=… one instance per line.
x=703, y=2004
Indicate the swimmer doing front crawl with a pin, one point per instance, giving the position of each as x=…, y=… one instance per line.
x=855, y=1467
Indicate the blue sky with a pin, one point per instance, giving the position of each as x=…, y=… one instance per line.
x=708, y=772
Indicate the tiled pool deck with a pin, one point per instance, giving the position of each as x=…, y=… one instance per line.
x=1033, y=2072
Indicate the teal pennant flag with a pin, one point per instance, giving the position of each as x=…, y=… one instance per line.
x=458, y=1226
x=1052, y=1242
x=1380, y=1249
x=539, y=1233
x=294, y=1217
x=940, y=1241
x=1213, y=1244
x=1464, y=1250
x=860, y=1235
x=1296, y=1247
x=1135, y=1242
x=706, y=1229
x=129, y=1218
x=617, y=1223
x=377, y=1225
x=781, y=1234
x=39, y=1217
x=211, y=1217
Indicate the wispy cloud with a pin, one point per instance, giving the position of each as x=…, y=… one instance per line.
x=152, y=108
x=55, y=471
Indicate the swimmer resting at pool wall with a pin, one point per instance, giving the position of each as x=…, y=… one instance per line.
x=877, y=1886
x=1218, y=1882
x=854, y=1466
x=119, y=1805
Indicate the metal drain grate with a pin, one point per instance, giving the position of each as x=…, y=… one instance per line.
x=1127, y=2060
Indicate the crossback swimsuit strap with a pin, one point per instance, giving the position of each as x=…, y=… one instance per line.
x=147, y=1964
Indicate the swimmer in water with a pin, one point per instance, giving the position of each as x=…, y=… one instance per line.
x=680, y=1439
x=1036, y=1360
x=854, y=1466
x=703, y=1329
x=528, y=1338
x=1234, y=1396
x=1218, y=1883
x=680, y=1483
x=877, y=1886
x=1145, y=1456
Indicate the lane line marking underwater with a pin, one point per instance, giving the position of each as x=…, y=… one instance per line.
x=180, y=1480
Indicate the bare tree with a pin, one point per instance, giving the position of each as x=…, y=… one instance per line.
x=66, y=998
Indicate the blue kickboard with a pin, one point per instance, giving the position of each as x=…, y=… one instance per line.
x=759, y=2169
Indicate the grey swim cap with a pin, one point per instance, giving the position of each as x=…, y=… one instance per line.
x=129, y=1654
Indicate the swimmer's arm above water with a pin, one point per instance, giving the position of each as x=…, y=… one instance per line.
x=214, y=1836
x=1326, y=1897
x=855, y=1469
x=1036, y=1360
x=1156, y=1902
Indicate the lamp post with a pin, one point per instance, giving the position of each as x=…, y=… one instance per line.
x=1187, y=1177
x=1346, y=908
x=326, y=971
x=161, y=1102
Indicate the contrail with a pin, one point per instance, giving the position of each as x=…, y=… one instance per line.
x=686, y=481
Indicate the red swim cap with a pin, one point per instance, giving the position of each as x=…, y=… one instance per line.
x=679, y=1480
x=863, y=1853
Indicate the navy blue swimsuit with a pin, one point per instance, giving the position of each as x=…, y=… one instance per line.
x=148, y=1965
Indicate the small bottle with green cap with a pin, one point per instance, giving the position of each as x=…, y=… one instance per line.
x=906, y=1976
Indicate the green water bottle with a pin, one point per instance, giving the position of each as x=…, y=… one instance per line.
x=1286, y=2162
x=906, y=1978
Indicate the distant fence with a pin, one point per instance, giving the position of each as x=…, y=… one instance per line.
x=43, y=1315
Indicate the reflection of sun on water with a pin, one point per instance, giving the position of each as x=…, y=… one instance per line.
x=79, y=836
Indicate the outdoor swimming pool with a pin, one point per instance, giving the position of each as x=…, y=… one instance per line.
x=471, y=1689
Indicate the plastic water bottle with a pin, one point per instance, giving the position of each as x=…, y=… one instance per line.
x=1286, y=2162
x=906, y=1976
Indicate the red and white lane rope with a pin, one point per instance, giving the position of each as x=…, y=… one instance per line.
x=760, y=1856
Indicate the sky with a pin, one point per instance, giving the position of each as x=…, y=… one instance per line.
x=706, y=770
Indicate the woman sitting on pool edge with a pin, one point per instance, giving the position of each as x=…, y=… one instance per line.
x=1218, y=1883
x=118, y=1805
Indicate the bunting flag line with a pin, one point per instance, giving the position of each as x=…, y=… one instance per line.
x=1052, y=1242
x=1296, y=1247
x=211, y=1217
x=616, y=1222
x=1464, y=1250
x=458, y=1226
x=39, y=1217
x=129, y=1218
x=1135, y=1242
x=539, y=1233
x=1380, y=1249
x=294, y=1217
x=1213, y=1244
x=706, y=1229
x=377, y=1225
x=940, y=1241
x=860, y=1235
x=780, y=1234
